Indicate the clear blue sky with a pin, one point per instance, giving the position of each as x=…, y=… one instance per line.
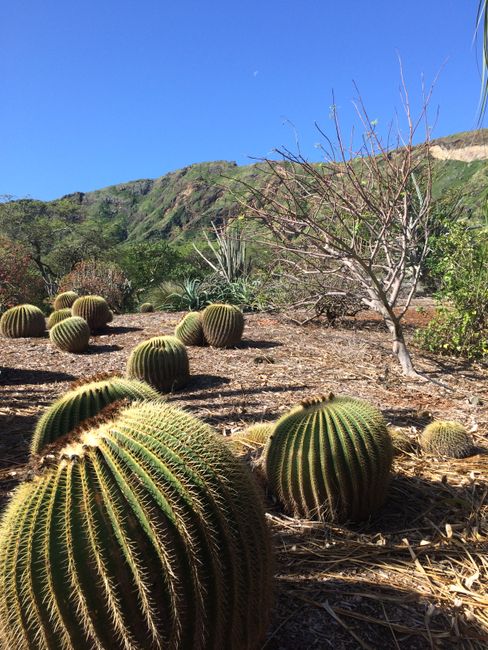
x=98, y=92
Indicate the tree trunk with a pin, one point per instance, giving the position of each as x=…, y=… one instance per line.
x=400, y=349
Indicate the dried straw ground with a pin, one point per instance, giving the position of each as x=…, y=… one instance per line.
x=416, y=576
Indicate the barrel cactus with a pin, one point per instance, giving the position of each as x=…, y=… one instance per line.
x=57, y=316
x=65, y=300
x=146, y=308
x=71, y=334
x=401, y=441
x=22, y=321
x=110, y=316
x=222, y=325
x=330, y=458
x=161, y=361
x=85, y=400
x=251, y=439
x=447, y=438
x=141, y=532
x=189, y=330
x=94, y=309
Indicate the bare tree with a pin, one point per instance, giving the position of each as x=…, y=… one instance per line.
x=363, y=214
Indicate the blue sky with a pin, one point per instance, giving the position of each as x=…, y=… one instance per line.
x=104, y=91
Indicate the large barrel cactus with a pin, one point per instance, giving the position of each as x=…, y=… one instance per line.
x=330, y=458
x=23, y=321
x=447, y=438
x=85, y=400
x=94, y=309
x=189, y=330
x=143, y=532
x=57, y=316
x=65, y=300
x=71, y=334
x=222, y=325
x=161, y=361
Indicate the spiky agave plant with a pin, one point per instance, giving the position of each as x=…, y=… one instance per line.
x=189, y=330
x=142, y=532
x=447, y=438
x=65, y=300
x=94, y=309
x=71, y=334
x=222, y=325
x=161, y=361
x=22, y=321
x=57, y=316
x=85, y=400
x=330, y=458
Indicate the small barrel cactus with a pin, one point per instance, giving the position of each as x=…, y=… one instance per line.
x=143, y=531
x=110, y=316
x=222, y=325
x=94, y=309
x=161, y=361
x=401, y=441
x=146, y=308
x=85, y=400
x=23, y=321
x=447, y=438
x=189, y=330
x=330, y=458
x=251, y=439
x=65, y=300
x=71, y=334
x=57, y=316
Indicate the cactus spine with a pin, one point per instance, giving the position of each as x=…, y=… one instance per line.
x=71, y=334
x=57, y=316
x=161, y=361
x=447, y=438
x=94, y=309
x=144, y=532
x=330, y=458
x=222, y=325
x=146, y=307
x=189, y=330
x=65, y=300
x=23, y=321
x=85, y=401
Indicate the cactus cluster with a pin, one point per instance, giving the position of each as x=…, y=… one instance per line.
x=23, y=321
x=85, y=400
x=161, y=361
x=447, y=438
x=65, y=300
x=223, y=325
x=330, y=458
x=94, y=309
x=57, y=316
x=143, y=532
x=146, y=308
x=71, y=334
x=189, y=330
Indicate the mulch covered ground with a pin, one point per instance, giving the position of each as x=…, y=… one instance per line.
x=414, y=577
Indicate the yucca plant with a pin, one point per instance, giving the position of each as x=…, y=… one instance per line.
x=71, y=334
x=57, y=316
x=222, y=325
x=23, y=321
x=447, y=438
x=189, y=330
x=161, y=361
x=330, y=458
x=85, y=400
x=94, y=309
x=143, y=532
x=65, y=300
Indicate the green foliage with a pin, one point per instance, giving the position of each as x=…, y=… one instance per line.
x=223, y=325
x=94, y=309
x=330, y=458
x=447, y=438
x=85, y=400
x=65, y=300
x=22, y=321
x=189, y=330
x=57, y=316
x=71, y=334
x=141, y=532
x=146, y=308
x=162, y=362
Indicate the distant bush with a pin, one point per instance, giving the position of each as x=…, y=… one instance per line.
x=20, y=282
x=100, y=278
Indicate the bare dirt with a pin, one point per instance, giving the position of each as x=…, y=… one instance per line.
x=414, y=577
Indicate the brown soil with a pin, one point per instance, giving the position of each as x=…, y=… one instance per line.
x=404, y=580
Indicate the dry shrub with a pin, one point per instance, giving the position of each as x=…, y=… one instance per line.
x=99, y=278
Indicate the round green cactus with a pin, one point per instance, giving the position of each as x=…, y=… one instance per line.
x=222, y=325
x=85, y=400
x=330, y=458
x=94, y=309
x=189, y=330
x=71, y=334
x=146, y=308
x=161, y=361
x=447, y=438
x=23, y=321
x=65, y=300
x=110, y=316
x=401, y=441
x=253, y=438
x=57, y=316
x=142, y=532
